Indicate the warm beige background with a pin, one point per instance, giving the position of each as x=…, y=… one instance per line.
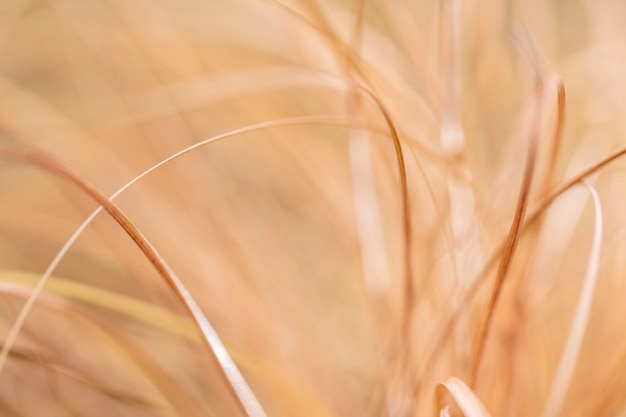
x=267, y=228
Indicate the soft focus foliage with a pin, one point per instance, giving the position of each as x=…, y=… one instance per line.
x=293, y=236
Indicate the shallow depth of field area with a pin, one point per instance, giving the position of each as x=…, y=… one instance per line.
x=330, y=208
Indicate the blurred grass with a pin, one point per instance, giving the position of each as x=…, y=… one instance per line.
x=268, y=229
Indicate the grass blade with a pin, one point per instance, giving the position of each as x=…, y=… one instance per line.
x=565, y=370
x=37, y=290
x=236, y=382
x=464, y=397
x=513, y=236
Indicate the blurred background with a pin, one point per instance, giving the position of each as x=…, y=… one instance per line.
x=291, y=231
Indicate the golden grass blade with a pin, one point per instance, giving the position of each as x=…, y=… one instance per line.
x=246, y=399
x=177, y=397
x=22, y=284
x=65, y=371
x=184, y=401
x=567, y=364
x=127, y=306
x=464, y=397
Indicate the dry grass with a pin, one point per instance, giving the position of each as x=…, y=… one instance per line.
x=335, y=208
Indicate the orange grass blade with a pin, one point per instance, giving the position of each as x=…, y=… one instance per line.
x=555, y=144
x=237, y=383
x=37, y=290
x=533, y=216
x=565, y=370
x=513, y=236
x=400, y=160
x=25, y=310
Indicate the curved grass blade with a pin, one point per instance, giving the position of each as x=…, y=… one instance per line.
x=264, y=125
x=464, y=397
x=513, y=236
x=246, y=398
x=567, y=364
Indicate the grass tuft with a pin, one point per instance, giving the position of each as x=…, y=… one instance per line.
x=371, y=208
